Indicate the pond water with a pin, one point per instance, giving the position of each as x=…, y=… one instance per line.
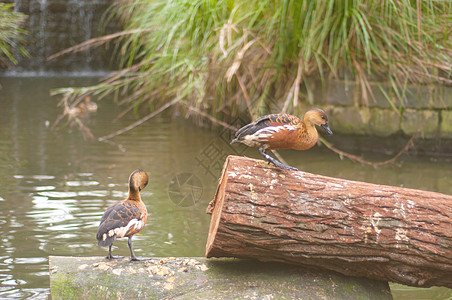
x=54, y=185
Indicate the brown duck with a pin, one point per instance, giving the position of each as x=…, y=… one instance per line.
x=283, y=131
x=125, y=218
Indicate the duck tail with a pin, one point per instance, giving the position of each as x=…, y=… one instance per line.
x=107, y=241
x=236, y=140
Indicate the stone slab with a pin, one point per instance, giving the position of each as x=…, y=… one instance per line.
x=201, y=278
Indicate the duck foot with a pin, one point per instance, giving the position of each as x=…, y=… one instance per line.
x=110, y=256
x=276, y=162
x=139, y=259
x=286, y=167
x=113, y=257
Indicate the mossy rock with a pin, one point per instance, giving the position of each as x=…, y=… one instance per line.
x=201, y=278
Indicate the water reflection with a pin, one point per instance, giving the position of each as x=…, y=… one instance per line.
x=55, y=186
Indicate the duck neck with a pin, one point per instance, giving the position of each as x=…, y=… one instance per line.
x=312, y=132
x=310, y=127
x=134, y=192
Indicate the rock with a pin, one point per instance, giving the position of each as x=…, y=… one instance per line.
x=350, y=120
x=446, y=124
x=422, y=121
x=384, y=122
x=201, y=278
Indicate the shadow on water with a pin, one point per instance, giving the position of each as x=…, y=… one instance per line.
x=54, y=186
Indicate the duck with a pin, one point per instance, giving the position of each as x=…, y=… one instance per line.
x=125, y=218
x=283, y=131
x=88, y=106
x=85, y=107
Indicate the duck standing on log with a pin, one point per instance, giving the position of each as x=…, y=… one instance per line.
x=125, y=218
x=283, y=131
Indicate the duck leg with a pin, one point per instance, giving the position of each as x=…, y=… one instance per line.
x=274, y=161
x=132, y=254
x=110, y=256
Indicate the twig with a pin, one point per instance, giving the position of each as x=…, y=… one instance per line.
x=212, y=119
x=95, y=42
x=120, y=146
x=134, y=105
x=279, y=157
x=85, y=130
x=297, y=81
x=289, y=97
x=366, y=162
x=238, y=60
x=139, y=122
x=245, y=94
x=295, y=88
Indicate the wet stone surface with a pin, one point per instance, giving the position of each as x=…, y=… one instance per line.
x=200, y=278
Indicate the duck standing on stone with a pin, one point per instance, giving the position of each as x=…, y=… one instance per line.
x=283, y=131
x=125, y=218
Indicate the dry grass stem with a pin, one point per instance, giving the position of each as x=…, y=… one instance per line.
x=360, y=160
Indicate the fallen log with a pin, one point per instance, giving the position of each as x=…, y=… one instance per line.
x=200, y=278
x=354, y=228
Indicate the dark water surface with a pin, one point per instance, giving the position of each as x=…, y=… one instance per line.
x=54, y=185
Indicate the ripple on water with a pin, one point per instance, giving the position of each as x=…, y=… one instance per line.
x=66, y=236
x=60, y=195
x=99, y=193
x=50, y=216
x=85, y=174
x=81, y=183
x=65, y=227
x=37, y=177
x=119, y=194
x=400, y=291
x=30, y=260
x=43, y=188
x=25, y=293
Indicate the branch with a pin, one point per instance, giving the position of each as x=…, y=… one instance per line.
x=95, y=42
x=139, y=122
x=211, y=118
x=366, y=162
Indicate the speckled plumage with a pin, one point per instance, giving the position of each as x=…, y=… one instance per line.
x=118, y=216
x=283, y=131
x=125, y=218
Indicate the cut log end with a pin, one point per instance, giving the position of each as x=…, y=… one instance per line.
x=215, y=210
x=354, y=228
x=215, y=207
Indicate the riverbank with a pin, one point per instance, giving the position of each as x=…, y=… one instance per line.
x=426, y=109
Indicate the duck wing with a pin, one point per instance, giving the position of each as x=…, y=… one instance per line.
x=119, y=220
x=265, y=121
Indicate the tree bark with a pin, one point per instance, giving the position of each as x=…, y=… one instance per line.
x=354, y=228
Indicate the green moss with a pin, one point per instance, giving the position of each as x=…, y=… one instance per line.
x=424, y=122
x=62, y=288
x=384, y=122
x=446, y=124
x=224, y=279
x=350, y=120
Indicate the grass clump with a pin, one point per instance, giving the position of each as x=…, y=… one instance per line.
x=217, y=58
x=11, y=34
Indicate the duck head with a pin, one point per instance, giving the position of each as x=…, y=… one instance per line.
x=318, y=117
x=138, y=180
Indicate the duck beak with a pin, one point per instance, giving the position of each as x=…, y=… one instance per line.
x=327, y=128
